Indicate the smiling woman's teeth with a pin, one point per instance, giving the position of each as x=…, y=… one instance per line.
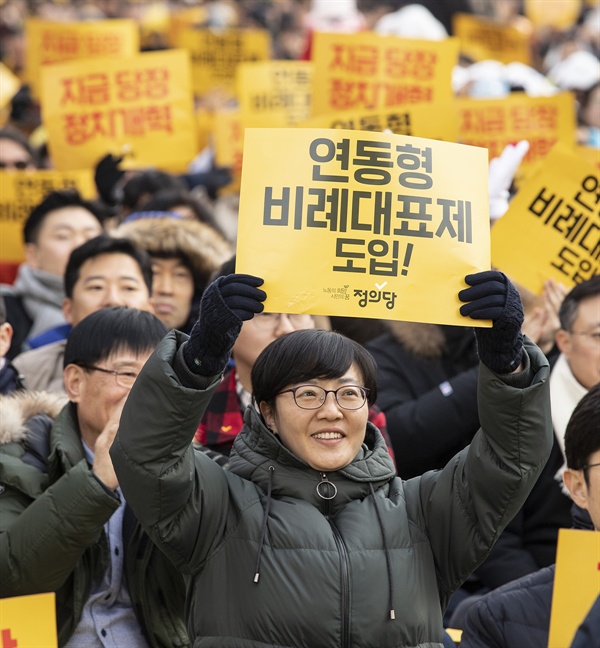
x=328, y=435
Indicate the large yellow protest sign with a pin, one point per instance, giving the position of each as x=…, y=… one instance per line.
x=552, y=226
x=576, y=583
x=433, y=121
x=352, y=223
x=21, y=191
x=28, y=621
x=55, y=42
x=366, y=71
x=494, y=123
x=274, y=93
x=482, y=39
x=216, y=54
x=143, y=103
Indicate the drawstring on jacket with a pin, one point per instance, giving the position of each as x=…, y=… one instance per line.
x=387, y=554
x=263, y=531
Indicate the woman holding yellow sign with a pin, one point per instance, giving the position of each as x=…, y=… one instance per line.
x=309, y=538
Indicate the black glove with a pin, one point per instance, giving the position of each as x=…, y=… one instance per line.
x=492, y=296
x=106, y=176
x=226, y=303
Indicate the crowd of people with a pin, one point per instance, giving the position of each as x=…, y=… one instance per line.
x=172, y=464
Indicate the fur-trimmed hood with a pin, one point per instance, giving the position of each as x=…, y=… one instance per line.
x=20, y=406
x=201, y=244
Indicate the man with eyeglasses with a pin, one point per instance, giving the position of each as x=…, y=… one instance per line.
x=529, y=541
x=223, y=419
x=64, y=525
x=518, y=614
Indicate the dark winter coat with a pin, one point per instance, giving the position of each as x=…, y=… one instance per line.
x=270, y=563
x=52, y=516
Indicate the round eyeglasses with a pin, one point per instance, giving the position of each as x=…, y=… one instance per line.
x=269, y=321
x=311, y=397
x=123, y=379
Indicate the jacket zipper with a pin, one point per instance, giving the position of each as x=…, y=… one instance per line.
x=344, y=572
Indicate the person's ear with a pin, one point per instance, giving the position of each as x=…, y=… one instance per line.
x=268, y=415
x=6, y=333
x=31, y=255
x=563, y=341
x=574, y=480
x=73, y=377
x=67, y=309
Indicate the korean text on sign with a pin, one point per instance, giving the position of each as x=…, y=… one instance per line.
x=50, y=42
x=552, y=227
x=144, y=102
x=367, y=217
x=368, y=71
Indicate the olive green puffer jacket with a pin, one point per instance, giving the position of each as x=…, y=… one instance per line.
x=274, y=563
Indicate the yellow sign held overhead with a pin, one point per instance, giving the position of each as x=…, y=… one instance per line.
x=142, y=104
x=274, y=93
x=482, y=39
x=216, y=54
x=21, y=191
x=352, y=223
x=494, y=123
x=552, y=227
x=576, y=583
x=366, y=71
x=55, y=42
x=435, y=121
x=17, y=625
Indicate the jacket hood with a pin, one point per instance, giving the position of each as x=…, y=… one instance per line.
x=259, y=456
x=18, y=407
x=203, y=246
x=425, y=340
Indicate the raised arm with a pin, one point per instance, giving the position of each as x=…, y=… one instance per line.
x=172, y=489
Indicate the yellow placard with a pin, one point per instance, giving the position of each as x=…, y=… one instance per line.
x=229, y=144
x=180, y=19
x=552, y=227
x=561, y=14
x=366, y=71
x=494, y=123
x=28, y=621
x=482, y=39
x=438, y=120
x=590, y=154
x=55, y=42
x=274, y=94
x=349, y=223
x=21, y=191
x=576, y=583
x=143, y=104
x=216, y=54
x=9, y=84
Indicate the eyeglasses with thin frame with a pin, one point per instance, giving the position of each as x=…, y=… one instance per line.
x=123, y=379
x=269, y=321
x=311, y=397
x=589, y=466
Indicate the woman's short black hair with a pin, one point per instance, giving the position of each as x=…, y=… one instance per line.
x=112, y=330
x=306, y=355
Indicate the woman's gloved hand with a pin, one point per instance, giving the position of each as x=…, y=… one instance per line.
x=492, y=296
x=226, y=303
